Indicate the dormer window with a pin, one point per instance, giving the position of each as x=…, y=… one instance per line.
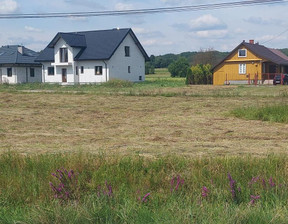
x=63, y=55
x=242, y=53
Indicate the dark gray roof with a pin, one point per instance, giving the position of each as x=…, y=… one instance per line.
x=72, y=39
x=267, y=53
x=95, y=45
x=10, y=55
x=261, y=51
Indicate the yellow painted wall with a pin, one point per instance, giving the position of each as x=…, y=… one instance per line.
x=231, y=67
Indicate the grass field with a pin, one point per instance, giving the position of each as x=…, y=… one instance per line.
x=137, y=137
x=159, y=117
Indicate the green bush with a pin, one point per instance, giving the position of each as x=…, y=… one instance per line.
x=199, y=74
x=179, y=68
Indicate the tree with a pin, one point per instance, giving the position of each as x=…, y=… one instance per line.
x=149, y=68
x=179, y=68
x=199, y=74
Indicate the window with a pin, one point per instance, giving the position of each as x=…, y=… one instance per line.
x=129, y=69
x=32, y=72
x=242, y=68
x=140, y=78
x=63, y=55
x=82, y=69
x=98, y=70
x=242, y=53
x=127, y=51
x=77, y=72
x=51, y=71
x=9, y=72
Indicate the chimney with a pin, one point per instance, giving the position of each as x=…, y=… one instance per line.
x=251, y=41
x=20, y=49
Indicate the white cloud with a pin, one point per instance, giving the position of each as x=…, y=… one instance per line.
x=152, y=42
x=240, y=31
x=123, y=6
x=32, y=29
x=271, y=37
x=8, y=6
x=213, y=34
x=207, y=22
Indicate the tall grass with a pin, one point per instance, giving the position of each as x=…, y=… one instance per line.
x=163, y=190
x=275, y=113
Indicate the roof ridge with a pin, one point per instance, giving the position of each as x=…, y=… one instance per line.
x=90, y=31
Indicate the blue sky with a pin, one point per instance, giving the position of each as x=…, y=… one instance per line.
x=221, y=29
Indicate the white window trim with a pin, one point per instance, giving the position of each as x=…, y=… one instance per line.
x=242, y=50
x=242, y=69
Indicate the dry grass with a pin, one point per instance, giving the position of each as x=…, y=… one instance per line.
x=146, y=125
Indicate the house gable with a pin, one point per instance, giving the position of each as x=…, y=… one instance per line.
x=93, y=45
x=253, y=61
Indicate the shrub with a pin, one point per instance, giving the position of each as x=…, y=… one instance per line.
x=199, y=74
x=179, y=68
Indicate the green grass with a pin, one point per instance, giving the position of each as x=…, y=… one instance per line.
x=26, y=197
x=275, y=113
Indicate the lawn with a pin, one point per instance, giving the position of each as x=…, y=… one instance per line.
x=138, y=137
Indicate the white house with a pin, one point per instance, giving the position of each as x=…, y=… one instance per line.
x=93, y=57
x=17, y=65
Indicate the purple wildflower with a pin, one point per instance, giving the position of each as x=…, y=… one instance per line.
x=271, y=183
x=145, y=198
x=232, y=184
x=253, y=180
x=204, y=192
x=66, y=187
x=106, y=192
x=254, y=199
x=178, y=183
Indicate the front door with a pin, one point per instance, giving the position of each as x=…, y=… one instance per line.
x=64, y=75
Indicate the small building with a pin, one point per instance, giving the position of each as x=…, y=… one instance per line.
x=17, y=65
x=250, y=62
x=93, y=57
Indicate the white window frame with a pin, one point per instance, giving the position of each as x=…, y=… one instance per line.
x=98, y=70
x=242, y=69
x=50, y=70
x=240, y=56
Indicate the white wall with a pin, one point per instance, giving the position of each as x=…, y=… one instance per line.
x=89, y=72
x=19, y=75
x=118, y=64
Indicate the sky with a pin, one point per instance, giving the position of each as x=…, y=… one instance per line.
x=218, y=29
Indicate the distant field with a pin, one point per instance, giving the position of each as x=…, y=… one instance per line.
x=158, y=117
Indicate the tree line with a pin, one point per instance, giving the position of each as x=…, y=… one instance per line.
x=208, y=56
x=195, y=66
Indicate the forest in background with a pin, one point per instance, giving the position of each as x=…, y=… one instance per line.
x=208, y=56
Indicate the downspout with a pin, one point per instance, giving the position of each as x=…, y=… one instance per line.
x=26, y=75
x=16, y=78
x=43, y=74
x=106, y=73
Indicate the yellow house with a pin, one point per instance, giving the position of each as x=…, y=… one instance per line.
x=250, y=62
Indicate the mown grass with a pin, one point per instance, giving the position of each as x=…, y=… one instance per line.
x=274, y=113
x=26, y=197
x=158, y=84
